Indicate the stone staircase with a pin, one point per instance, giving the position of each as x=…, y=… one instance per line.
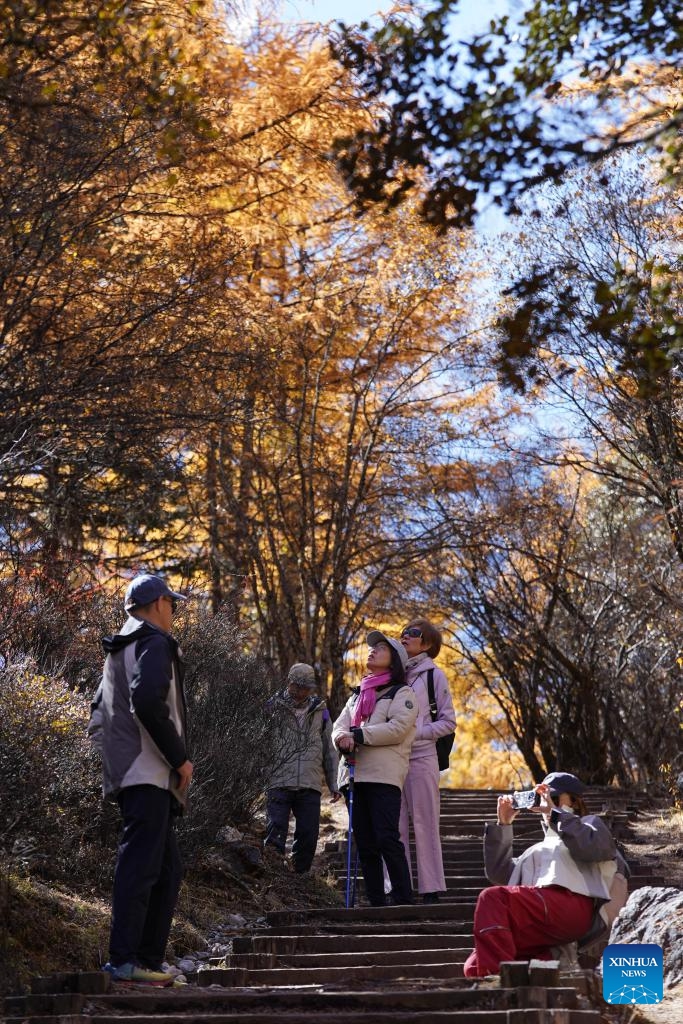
x=363, y=964
x=463, y=813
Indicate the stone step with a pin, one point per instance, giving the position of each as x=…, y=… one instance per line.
x=464, y=884
x=358, y=958
x=639, y=881
x=451, y=1001
x=463, y=1016
x=393, y=999
x=240, y=977
x=453, y=881
x=363, y=966
x=461, y=923
x=381, y=915
x=287, y=944
x=459, y=847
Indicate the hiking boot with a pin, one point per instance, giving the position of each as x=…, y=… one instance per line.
x=430, y=897
x=132, y=974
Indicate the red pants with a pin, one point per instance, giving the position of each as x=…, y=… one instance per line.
x=521, y=922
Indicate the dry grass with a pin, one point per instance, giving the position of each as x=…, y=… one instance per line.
x=656, y=838
x=45, y=928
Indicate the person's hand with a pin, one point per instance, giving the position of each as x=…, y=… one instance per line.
x=546, y=805
x=507, y=812
x=345, y=744
x=185, y=774
x=335, y=797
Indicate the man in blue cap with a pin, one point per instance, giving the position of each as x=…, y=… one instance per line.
x=138, y=723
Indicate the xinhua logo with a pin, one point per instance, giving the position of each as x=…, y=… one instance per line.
x=633, y=974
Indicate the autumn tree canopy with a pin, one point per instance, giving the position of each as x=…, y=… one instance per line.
x=212, y=366
x=561, y=84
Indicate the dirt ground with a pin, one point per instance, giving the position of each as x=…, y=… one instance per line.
x=656, y=837
x=669, y=1011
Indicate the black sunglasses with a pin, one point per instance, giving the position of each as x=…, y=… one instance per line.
x=174, y=603
x=413, y=631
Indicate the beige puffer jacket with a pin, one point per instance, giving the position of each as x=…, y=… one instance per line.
x=388, y=735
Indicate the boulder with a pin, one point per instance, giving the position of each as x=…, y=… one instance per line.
x=654, y=914
x=187, y=965
x=236, y=920
x=228, y=834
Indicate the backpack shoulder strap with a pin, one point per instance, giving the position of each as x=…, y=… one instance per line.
x=392, y=691
x=433, y=710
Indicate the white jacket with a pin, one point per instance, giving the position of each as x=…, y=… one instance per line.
x=387, y=737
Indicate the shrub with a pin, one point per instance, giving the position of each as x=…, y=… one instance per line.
x=231, y=741
x=51, y=814
x=49, y=797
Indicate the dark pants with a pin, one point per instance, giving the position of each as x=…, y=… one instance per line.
x=147, y=878
x=304, y=804
x=376, y=811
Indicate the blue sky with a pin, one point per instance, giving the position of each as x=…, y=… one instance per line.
x=350, y=11
x=473, y=15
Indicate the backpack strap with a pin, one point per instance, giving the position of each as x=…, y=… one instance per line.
x=433, y=710
x=392, y=691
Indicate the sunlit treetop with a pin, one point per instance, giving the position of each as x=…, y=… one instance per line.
x=499, y=113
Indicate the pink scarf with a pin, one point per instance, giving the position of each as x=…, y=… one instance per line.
x=369, y=685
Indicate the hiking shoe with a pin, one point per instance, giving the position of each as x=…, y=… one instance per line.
x=430, y=897
x=132, y=974
x=170, y=969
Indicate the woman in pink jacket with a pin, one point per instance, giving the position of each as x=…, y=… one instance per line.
x=420, y=803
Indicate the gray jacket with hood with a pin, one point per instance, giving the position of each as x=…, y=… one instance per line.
x=138, y=717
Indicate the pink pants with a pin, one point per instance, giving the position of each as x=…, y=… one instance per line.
x=421, y=805
x=520, y=922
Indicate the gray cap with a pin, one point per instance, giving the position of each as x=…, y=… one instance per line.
x=145, y=589
x=374, y=637
x=302, y=675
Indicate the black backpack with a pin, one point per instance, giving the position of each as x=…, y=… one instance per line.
x=444, y=744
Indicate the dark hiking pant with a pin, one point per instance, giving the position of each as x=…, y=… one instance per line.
x=147, y=878
x=376, y=811
x=304, y=804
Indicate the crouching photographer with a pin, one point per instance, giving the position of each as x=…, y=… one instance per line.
x=553, y=893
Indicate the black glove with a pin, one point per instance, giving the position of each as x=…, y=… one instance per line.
x=358, y=736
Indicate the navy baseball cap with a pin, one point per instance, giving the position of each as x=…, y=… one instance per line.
x=147, y=588
x=563, y=782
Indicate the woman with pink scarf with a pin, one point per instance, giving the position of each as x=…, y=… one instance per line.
x=376, y=729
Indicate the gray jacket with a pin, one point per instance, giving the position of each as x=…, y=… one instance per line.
x=304, y=751
x=138, y=719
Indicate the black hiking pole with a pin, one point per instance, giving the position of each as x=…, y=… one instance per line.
x=350, y=893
